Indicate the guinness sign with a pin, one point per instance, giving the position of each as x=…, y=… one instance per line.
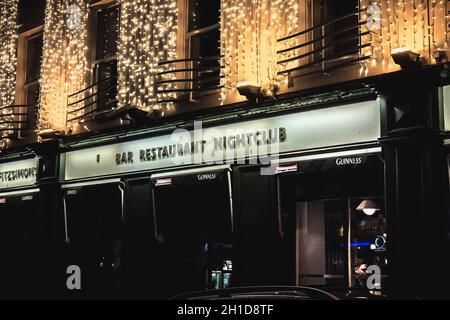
x=348, y=161
x=206, y=176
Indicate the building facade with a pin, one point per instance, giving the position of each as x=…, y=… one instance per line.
x=168, y=146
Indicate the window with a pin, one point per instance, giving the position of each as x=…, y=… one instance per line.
x=105, y=61
x=368, y=235
x=340, y=224
x=321, y=242
x=203, y=38
x=28, y=76
x=338, y=36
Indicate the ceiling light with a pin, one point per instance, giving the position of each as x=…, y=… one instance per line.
x=369, y=207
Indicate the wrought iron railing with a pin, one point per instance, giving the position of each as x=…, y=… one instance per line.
x=188, y=78
x=84, y=104
x=15, y=119
x=325, y=47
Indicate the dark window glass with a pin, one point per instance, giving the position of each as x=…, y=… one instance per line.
x=203, y=13
x=206, y=46
x=195, y=235
x=342, y=35
x=107, y=87
x=34, y=55
x=368, y=241
x=22, y=234
x=32, y=92
x=141, y=273
x=204, y=17
x=31, y=88
x=106, y=61
x=107, y=32
x=94, y=224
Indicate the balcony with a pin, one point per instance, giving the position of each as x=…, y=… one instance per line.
x=188, y=80
x=325, y=48
x=92, y=103
x=18, y=121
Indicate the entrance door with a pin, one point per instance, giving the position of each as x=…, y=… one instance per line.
x=22, y=238
x=94, y=236
x=140, y=272
x=194, y=230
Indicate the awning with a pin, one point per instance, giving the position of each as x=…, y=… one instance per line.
x=74, y=185
x=19, y=196
x=191, y=176
x=342, y=160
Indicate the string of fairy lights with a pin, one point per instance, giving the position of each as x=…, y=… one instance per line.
x=249, y=33
x=148, y=36
x=8, y=62
x=419, y=25
x=64, y=60
x=249, y=46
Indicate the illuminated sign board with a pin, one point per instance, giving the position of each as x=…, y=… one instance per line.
x=18, y=173
x=254, y=139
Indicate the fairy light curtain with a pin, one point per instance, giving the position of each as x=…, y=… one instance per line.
x=64, y=59
x=420, y=25
x=249, y=33
x=8, y=61
x=148, y=36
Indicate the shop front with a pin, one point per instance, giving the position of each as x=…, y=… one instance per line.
x=333, y=209
x=93, y=214
x=194, y=227
x=205, y=207
x=23, y=229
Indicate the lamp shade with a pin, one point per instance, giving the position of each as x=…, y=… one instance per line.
x=368, y=206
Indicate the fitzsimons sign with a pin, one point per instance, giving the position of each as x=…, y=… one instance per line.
x=18, y=173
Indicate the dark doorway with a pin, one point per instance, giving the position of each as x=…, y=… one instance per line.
x=194, y=230
x=94, y=233
x=22, y=247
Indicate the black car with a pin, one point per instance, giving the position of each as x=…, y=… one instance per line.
x=260, y=293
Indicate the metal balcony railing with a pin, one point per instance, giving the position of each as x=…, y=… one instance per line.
x=188, y=78
x=15, y=119
x=325, y=47
x=84, y=104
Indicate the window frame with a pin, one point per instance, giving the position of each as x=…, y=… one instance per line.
x=93, y=62
x=189, y=35
x=319, y=15
x=22, y=86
